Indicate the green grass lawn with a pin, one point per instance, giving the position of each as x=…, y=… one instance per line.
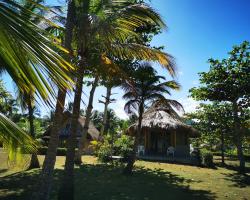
x=151, y=180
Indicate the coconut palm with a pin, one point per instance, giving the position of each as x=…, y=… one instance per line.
x=78, y=157
x=107, y=31
x=145, y=89
x=45, y=182
x=22, y=40
x=27, y=102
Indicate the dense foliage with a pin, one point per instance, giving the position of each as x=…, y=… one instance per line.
x=228, y=81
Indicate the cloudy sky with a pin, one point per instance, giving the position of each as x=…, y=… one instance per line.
x=197, y=30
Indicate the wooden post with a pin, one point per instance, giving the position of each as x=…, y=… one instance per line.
x=173, y=138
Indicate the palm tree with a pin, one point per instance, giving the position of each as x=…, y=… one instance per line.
x=11, y=139
x=45, y=182
x=22, y=40
x=78, y=157
x=27, y=102
x=141, y=93
x=107, y=100
x=109, y=31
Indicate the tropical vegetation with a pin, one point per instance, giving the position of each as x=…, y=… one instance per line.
x=53, y=53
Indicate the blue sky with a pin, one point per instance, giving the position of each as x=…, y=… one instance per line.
x=197, y=31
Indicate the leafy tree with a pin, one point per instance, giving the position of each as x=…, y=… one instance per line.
x=215, y=123
x=8, y=104
x=228, y=80
x=145, y=88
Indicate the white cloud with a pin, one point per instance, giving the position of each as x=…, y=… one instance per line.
x=189, y=104
x=119, y=109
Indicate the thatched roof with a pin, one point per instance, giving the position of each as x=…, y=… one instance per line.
x=64, y=132
x=164, y=117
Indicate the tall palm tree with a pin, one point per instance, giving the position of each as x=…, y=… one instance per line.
x=45, y=182
x=22, y=40
x=107, y=100
x=78, y=157
x=27, y=102
x=109, y=31
x=141, y=93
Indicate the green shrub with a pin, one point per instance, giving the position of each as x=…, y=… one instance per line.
x=114, y=146
x=207, y=158
x=104, y=151
x=123, y=146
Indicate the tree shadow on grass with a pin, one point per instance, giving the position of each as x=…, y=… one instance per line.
x=102, y=182
x=238, y=180
x=19, y=186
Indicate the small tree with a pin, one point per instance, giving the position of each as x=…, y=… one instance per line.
x=229, y=81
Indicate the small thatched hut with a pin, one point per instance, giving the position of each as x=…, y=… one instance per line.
x=161, y=128
x=93, y=133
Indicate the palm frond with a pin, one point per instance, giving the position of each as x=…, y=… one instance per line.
x=142, y=52
x=131, y=106
x=14, y=139
x=171, y=102
x=22, y=41
x=174, y=85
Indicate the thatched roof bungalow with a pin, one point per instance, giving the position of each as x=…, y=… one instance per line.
x=93, y=133
x=161, y=128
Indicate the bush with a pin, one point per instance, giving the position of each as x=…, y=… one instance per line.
x=104, y=152
x=206, y=158
x=123, y=146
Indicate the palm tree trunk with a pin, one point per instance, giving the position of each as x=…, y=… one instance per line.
x=34, y=163
x=131, y=160
x=239, y=137
x=105, y=114
x=67, y=185
x=45, y=182
x=78, y=157
x=46, y=177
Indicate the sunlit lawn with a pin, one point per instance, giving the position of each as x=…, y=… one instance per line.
x=152, y=180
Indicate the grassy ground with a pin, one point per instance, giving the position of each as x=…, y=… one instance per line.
x=152, y=180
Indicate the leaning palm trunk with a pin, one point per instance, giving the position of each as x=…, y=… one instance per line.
x=239, y=138
x=45, y=183
x=78, y=157
x=34, y=163
x=132, y=158
x=67, y=185
x=105, y=114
